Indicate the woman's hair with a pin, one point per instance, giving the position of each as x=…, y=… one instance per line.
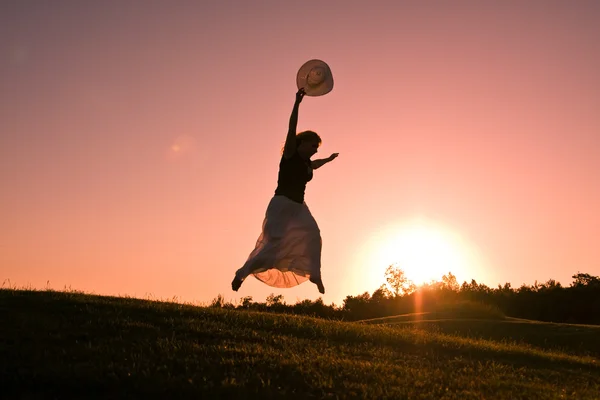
x=309, y=136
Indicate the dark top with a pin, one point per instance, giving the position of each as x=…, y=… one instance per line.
x=293, y=175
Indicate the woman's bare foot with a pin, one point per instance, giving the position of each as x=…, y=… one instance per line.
x=236, y=283
x=321, y=287
x=319, y=283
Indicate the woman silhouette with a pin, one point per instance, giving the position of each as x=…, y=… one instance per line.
x=288, y=250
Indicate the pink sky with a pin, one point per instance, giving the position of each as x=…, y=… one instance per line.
x=139, y=141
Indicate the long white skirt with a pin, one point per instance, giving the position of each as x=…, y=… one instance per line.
x=288, y=251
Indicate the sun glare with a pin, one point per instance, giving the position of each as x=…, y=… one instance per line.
x=425, y=251
x=183, y=145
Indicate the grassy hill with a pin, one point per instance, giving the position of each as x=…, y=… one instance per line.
x=69, y=345
x=571, y=339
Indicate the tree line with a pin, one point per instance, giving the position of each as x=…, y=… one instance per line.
x=548, y=301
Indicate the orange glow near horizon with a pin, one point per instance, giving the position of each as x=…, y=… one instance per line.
x=425, y=251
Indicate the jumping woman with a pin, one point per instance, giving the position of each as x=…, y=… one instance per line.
x=288, y=250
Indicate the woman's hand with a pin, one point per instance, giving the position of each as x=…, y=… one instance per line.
x=319, y=163
x=299, y=95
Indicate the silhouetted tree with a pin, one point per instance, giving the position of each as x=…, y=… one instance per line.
x=273, y=300
x=246, y=302
x=585, y=280
x=449, y=282
x=397, y=281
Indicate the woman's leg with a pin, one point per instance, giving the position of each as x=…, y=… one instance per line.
x=273, y=229
x=315, y=245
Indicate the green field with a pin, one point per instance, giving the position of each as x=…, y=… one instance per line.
x=69, y=345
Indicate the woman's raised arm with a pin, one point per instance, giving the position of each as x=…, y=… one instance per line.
x=290, y=140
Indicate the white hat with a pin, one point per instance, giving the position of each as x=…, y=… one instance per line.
x=315, y=77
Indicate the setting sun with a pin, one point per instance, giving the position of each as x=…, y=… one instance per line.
x=425, y=251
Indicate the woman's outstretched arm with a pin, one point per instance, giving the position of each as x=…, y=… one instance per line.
x=290, y=140
x=319, y=163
